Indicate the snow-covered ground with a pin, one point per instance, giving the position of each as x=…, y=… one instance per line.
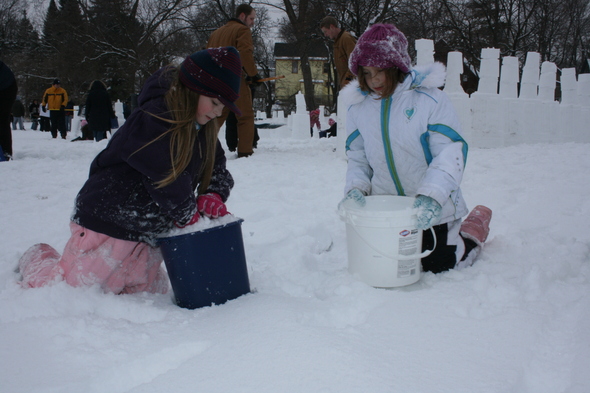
x=517, y=321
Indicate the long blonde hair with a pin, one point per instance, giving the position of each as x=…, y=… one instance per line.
x=182, y=105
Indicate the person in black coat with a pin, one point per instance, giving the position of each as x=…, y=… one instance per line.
x=8, y=90
x=99, y=110
x=18, y=114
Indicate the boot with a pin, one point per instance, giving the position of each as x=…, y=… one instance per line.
x=39, y=266
x=476, y=226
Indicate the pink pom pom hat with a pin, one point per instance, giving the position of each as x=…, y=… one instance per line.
x=381, y=46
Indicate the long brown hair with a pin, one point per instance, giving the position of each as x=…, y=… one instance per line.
x=182, y=105
x=394, y=77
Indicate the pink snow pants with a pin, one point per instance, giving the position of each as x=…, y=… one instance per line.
x=118, y=266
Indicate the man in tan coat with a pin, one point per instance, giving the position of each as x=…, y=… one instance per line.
x=344, y=43
x=236, y=32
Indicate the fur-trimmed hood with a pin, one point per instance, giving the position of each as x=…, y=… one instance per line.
x=427, y=76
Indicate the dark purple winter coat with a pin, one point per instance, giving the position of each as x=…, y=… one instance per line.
x=99, y=108
x=120, y=199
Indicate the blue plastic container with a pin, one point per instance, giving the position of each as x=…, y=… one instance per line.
x=207, y=267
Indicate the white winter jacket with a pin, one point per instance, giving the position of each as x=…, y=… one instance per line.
x=408, y=143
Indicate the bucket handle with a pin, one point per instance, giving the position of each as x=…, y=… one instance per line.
x=423, y=254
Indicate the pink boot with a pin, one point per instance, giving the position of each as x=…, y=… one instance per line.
x=38, y=266
x=477, y=225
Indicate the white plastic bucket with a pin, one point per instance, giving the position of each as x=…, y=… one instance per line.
x=384, y=245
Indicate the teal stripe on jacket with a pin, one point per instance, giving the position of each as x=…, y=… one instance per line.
x=446, y=131
x=351, y=138
x=385, y=113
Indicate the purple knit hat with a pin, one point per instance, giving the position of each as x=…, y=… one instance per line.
x=216, y=73
x=381, y=46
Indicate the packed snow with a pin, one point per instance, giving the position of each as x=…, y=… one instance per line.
x=517, y=321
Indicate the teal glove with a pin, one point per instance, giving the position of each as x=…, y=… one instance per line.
x=428, y=211
x=354, y=196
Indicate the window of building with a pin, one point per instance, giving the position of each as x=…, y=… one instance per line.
x=294, y=66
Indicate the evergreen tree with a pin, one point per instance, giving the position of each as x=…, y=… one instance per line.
x=51, y=27
x=117, y=39
x=71, y=50
x=24, y=51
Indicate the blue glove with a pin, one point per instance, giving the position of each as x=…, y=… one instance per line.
x=428, y=211
x=355, y=196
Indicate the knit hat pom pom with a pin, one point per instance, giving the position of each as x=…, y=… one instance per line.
x=382, y=46
x=381, y=32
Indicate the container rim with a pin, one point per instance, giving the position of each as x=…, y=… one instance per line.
x=206, y=230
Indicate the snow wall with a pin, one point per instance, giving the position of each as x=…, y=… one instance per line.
x=509, y=107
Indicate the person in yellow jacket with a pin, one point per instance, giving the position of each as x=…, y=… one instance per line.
x=55, y=99
x=236, y=32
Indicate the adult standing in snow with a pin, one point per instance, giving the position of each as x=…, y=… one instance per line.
x=143, y=183
x=404, y=139
x=231, y=127
x=18, y=114
x=8, y=91
x=344, y=44
x=98, y=110
x=236, y=32
x=55, y=100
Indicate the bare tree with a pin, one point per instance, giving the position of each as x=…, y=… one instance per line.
x=124, y=41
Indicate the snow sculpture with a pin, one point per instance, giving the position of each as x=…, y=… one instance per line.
x=486, y=104
x=300, y=104
x=424, y=52
x=488, y=82
x=455, y=91
x=509, y=77
x=119, y=113
x=584, y=89
x=454, y=71
x=547, y=82
x=549, y=113
x=569, y=88
x=530, y=76
x=300, y=121
x=76, y=123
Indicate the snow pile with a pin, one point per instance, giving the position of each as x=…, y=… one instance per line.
x=517, y=321
x=203, y=224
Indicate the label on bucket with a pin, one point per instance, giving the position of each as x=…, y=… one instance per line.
x=408, y=242
x=408, y=245
x=407, y=268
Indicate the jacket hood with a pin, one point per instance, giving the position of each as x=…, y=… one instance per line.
x=156, y=85
x=427, y=76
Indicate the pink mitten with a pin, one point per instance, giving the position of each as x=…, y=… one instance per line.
x=211, y=205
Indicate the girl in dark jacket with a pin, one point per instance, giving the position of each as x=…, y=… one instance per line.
x=143, y=183
x=99, y=110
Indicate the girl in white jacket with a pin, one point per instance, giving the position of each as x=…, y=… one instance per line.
x=404, y=139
